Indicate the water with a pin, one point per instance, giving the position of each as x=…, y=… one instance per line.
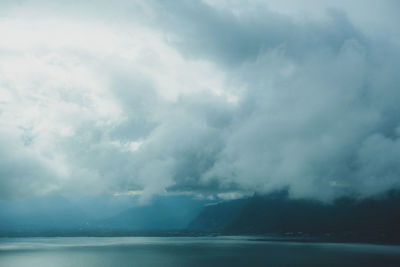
x=187, y=251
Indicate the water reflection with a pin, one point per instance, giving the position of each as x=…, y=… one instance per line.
x=188, y=251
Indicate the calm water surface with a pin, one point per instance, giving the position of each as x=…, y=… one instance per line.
x=187, y=251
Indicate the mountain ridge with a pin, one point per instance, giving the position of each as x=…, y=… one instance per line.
x=277, y=214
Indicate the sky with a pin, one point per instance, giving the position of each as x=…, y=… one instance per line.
x=205, y=98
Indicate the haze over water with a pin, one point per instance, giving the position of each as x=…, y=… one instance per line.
x=188, y=251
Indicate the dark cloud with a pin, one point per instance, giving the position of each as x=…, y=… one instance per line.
x=203, y=31
x=313, y=98
x=201, y=99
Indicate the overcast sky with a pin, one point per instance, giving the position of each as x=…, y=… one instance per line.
x=203, y=97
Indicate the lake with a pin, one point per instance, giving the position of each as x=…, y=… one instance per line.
x=188, y=251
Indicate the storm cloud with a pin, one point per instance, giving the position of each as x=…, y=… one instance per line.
x=201, y=97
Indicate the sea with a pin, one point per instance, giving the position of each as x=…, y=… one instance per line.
x=188, y=251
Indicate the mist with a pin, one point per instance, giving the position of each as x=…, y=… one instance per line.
x=212, y=99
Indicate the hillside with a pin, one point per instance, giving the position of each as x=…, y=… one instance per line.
x=346, y=218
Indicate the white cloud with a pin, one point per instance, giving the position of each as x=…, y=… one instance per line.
x=215, y=99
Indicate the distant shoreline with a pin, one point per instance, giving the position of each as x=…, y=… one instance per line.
x=339, y=238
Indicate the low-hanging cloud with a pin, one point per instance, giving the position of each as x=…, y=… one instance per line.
x=187, y=96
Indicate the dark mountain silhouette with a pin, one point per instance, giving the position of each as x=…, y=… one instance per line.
x=345, y=219
x=375, y=218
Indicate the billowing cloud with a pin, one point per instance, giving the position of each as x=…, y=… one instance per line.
x=201, y=97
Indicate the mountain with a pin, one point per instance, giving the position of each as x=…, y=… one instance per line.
x=163, y=213
x=217, y=217
x=345, y=219
x=38, y=214
x=105, y=215
x=372, y=218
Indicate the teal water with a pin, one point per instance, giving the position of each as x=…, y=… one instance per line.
x=187, y=251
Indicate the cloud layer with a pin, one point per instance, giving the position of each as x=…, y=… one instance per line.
x=198, y=97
